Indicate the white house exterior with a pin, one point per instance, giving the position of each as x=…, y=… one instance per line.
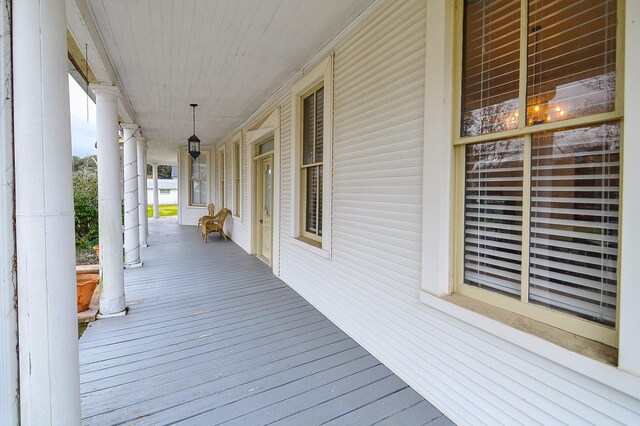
x=385, y=274
x=167, y=191
x=385, y=254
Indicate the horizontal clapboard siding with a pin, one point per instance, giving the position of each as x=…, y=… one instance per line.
x=370, y=286
x=241, y=226
x=235, y=227
x=285, y=177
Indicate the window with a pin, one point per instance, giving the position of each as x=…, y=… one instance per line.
x=237, y=172
x=198, y=180
x=539, y=158
x=311, y=163
x=222, y=180
x=165, y=191
x=312, y=106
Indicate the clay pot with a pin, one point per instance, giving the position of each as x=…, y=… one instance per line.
x=86, y=285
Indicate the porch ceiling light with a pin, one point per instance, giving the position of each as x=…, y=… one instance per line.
x=193, y=143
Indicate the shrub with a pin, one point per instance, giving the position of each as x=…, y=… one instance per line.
x=85, y=200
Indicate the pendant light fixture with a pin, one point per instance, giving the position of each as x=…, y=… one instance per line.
x=193, y=143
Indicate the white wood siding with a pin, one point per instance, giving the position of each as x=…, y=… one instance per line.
x=285, y=180
x=164, y=199
x=371, y=285
x=235, y=227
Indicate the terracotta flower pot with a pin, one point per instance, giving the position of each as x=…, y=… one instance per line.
x=86, y=285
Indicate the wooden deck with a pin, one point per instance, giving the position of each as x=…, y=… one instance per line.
x=213, y=337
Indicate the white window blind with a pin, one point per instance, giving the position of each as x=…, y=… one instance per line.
x=312, y=151
x=574, y=221
x=571, y=59
x=493, y=215
x=490, y=66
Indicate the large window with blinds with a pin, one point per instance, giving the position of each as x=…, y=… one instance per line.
x=222, y=178
x=538, y=149
x=237, y=172
x=312, y=162
x=198, y=180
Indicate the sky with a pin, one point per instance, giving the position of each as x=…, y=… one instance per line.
x=83, y=128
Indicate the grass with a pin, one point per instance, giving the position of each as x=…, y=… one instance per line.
x=81, y=328
x=168, y=210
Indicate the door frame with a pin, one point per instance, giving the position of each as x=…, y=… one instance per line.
x=259, y=162
x=267, y=128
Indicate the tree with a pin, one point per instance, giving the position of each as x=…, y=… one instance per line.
x=164, y=172
x=90, y=162
x=85, y=201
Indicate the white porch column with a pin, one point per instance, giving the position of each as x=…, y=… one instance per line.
x=109, y=208
x=156, y=206
x=131, y=224
x=49, y=372
x=142, y=190
x=9, y=324
x=146, y=194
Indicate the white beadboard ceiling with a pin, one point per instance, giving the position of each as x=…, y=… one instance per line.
x=227, y=56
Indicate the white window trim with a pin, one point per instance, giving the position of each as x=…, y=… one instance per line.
x=438, y=205
x=437, y=171
x=237, y=175
x=629, y=250
x=322, y=72
x=221, y=177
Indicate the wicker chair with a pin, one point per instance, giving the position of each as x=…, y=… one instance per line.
x=215, y=224
x=212, y=212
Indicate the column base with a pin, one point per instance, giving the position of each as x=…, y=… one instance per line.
x=133, y=265
x=117, y=314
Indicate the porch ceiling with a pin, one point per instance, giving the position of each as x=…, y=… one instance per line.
x=227, y=56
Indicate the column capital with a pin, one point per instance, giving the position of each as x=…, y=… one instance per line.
x=130, y=126
x=104, y=90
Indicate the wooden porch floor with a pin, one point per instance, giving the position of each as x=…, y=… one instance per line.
x=213, y=337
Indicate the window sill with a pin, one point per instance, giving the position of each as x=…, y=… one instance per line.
x=311, y=245
x=587, y=357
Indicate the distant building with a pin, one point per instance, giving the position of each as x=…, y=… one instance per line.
x=167, y=191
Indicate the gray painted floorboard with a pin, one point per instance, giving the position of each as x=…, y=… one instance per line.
x=212, y=337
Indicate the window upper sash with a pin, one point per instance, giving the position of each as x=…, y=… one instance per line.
x=528, y=65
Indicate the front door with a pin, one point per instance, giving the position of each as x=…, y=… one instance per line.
x=265, y=207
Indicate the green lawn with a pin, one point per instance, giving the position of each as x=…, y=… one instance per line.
x=168, y=210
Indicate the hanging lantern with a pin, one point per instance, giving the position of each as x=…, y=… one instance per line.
x=193, y=143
